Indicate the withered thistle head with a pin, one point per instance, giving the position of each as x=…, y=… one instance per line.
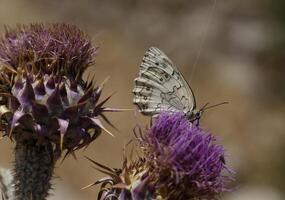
x=43, y=97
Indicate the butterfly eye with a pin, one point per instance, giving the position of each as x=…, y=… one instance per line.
x=157, y=63
x=145, y=98
x=161, y=79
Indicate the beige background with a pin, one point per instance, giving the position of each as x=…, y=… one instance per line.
x=240, y=61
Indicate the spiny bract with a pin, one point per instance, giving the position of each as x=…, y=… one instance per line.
x=52, y=108
x=43, y=96
x=132, y=182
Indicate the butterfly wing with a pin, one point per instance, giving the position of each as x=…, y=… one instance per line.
x=160, y=86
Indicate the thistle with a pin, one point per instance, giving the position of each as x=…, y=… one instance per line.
x=48, y=47
x=185, y=160
x=46, y=107
x=179, y=161
x=131, y=182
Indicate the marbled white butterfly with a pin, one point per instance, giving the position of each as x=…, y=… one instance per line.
x=161, y=87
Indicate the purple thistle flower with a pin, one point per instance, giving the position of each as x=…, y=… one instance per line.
x=179, y=160
x=45, y=106
x=184, y=159
x=50, y=47
x=44, y=102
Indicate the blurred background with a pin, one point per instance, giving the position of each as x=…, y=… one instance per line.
x=231, y=50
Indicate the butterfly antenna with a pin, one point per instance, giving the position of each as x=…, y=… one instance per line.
x=212, y=106
x=204, y=37
x=204, y=107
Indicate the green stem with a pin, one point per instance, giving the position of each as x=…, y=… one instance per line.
x=34, y=165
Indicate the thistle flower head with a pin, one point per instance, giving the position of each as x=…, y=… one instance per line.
x=179, y=161
x=43, y=97
x=51, y=108
x=49, y=47
x=131, y=182
x=185, y=160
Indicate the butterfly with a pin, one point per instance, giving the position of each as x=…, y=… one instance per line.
x=161, y=87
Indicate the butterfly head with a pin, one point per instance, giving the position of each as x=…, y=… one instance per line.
x=194, y=115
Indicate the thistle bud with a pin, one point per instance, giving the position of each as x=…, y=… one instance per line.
x=45, y=105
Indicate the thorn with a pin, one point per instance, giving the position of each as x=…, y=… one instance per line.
x=120, y=186
x=61, y=141
x=91, y=81
x=108, y=122
x=63, y=126
x=104, y=101
x=125, y=158
x=87, y=79
x=100, y=165
x=117, y=109
x=65, y=156
x=10, y=69
x=98, y=123
x=10, y=133
x=103, y=83
x=88, y=186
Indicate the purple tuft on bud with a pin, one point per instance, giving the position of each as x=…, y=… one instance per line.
x=42, y=91
x=185, y=160
x=45, y=105
x=49, y=47
x=178, y=161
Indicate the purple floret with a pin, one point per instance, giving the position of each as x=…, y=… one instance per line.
x=47, y=46
x=185, y=158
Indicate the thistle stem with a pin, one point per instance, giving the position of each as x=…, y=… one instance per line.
x=34, y=165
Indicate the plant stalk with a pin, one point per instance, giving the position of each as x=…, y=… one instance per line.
x=34, y=165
